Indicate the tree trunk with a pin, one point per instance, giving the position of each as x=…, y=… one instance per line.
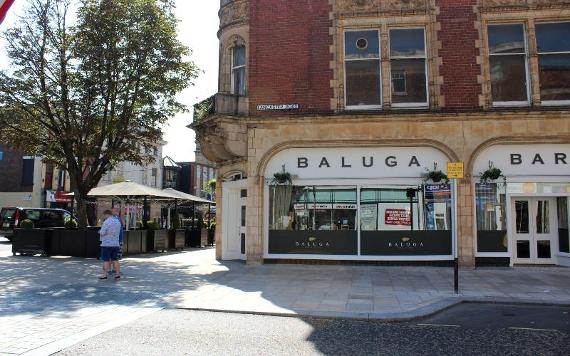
x=81, y=211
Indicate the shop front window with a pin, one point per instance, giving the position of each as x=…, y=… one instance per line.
x=402, y=220
x=491, y=217
x=313, y=220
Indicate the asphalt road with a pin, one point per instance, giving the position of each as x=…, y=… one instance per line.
x=469, y=329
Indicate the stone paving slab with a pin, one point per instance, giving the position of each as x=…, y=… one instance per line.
x=47, y=303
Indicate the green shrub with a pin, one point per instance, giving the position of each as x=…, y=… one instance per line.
x=153, y=225
x=27, y=224
x=71, y=224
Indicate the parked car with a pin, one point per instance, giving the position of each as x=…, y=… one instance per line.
x=11, y=218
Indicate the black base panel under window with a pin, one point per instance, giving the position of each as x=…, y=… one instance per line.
x=564, y=240
x=492, y=241
x=492, y=261
x=297, y=261
x=313, y=242
x=406, y=243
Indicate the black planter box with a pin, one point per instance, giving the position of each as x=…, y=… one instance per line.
x=193, y=238
x=176, y=239
x=157, y=240
x=75, y=243
x=134, y=242
x=211, y=237
x=31, y=242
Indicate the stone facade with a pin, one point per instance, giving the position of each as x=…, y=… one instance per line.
x=295, y=55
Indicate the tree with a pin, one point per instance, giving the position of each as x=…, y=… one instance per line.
x=91, y=84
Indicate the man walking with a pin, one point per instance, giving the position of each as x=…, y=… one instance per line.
x=109, y=235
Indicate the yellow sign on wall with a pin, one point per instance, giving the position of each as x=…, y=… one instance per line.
x=456, y=170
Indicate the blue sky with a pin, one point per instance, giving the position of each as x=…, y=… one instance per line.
x=198, y=27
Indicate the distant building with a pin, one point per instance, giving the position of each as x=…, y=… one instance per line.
x=20, y=179
x=170, y=173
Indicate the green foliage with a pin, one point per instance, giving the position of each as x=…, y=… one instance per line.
x=200, y=223
x=118, y=180
x=27, y=224
x=210, y=186
x=282, y=177
x=436, y=175
x=204, y=109
x=91, y=89
x=491, y=174
x=139, y=225
x=153, y=225
x=71, y=224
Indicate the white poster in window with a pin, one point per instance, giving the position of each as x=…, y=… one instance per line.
x=368, y=217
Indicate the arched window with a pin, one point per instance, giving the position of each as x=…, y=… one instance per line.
x=238, y=70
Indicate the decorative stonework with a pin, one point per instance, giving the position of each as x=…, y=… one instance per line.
x=357, y=7
x=506, y=5
x=234, y=12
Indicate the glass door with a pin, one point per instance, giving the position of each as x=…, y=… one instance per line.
x=534, y=230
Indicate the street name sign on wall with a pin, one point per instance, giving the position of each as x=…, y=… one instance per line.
x=277, y=107
x=455, y=170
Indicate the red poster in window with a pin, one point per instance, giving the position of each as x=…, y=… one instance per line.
x=399, y=217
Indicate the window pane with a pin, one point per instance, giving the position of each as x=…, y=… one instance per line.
x=523, y=249
x=508, y=78
x=363, y=83
x=522, y=217
x=239, y=56
x=239, y=81
x=543, y=249
x=413, y=72
x=27, y=172
x=361, y=44
x=407, y=42
x=506, y=39
x=553, y=37
x=491, y=207
x=543, y=217
x=555, y=77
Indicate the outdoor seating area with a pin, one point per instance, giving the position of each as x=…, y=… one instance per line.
x=146, y=237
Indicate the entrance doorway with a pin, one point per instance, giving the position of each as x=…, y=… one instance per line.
x=233, y=221
x=535, y=230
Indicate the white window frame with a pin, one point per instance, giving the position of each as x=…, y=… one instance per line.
x=235, y=68
x=417, y=105
x=520, y=103
x=362, y=107
x=550, y=102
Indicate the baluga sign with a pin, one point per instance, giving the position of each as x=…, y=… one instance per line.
x=357, y=162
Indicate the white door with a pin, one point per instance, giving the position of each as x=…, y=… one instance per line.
x=535, y=230
x=233, y=221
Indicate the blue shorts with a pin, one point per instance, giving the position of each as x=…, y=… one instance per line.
x=110, y=253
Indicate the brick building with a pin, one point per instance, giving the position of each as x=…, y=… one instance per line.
x=20, y=179
x=363, y=102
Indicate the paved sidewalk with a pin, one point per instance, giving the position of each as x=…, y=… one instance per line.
x=47, y=304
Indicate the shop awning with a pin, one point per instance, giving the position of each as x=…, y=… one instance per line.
x=187, y=197
x=130, y=190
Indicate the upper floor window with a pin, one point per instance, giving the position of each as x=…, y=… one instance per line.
x=553, y=42
x=27, y=171
x=238, y=70
x=408, y=67
x=362, y=69
x=508, y=64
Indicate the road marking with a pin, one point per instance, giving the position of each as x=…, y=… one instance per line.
x=442, y=325
x=533, y=329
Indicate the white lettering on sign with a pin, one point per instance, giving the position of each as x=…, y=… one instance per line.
x=356, y=162
x=526, y=160
x=277, y=107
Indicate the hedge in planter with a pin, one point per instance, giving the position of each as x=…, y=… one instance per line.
x=31, y=242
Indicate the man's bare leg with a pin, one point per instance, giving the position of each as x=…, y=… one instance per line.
x=106, y=266
x=117, y=268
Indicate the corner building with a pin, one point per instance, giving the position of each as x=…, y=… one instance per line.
x=359, y=99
